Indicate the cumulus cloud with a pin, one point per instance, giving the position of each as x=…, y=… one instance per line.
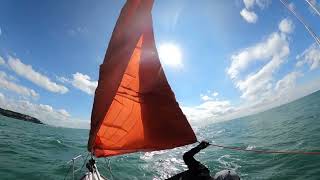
x=286, y=26
x=248, y=3
x=44, y=112
x=275, y=49
x=310, y=56
x=78, y=30
x=291, y=6
x=249, y=16
x=2, y=61
x=276, y=45
x=84, y=83
x=6, y=84
x=263, y=3
x=258, y=84
x=211, y=109
x=259, y=87
x=81, y=81
x=287, y=83
x=205, y=97
x=37, y=78
x=209, y=95
x=285, y=90
x=1, y=97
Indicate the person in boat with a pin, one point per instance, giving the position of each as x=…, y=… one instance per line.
x=198, y=171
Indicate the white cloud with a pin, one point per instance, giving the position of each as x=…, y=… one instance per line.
x=259, y=87
x=291, y=6
x=1, y=97
x=2, y=61
x=43, y=112
x=286, y=26
x=310, y=56
x=84, y=83
x=260, y=90
x=205, y=97
x=0, y=31
x=78, y=30
x=249, y=16
x=256, y=85
x=275, y=45
x=81, y=81
x=29, y=73
x=211, y=109
x=209, y=96
x=63, y=79
x=285, y=90
x=5, y=83
x=300, y=63
x=263, y=3
x=286, y=84
x=249, y=3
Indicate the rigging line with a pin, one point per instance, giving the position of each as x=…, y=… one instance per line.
x=109, y=167
x=266, y=151
x=300, y=18
x=84, y=162
x=67, y=173
x=313, y=6
x=311, y=32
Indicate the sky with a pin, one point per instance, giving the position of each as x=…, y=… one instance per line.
x=223, y=59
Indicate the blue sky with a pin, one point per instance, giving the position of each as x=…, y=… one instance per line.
x=237, y=57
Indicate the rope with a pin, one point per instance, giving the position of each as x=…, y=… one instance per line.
x=292, y=10
x=109, y=167
x=84, y=162
x=67, y=173
x=313, y=7
x=266, y=151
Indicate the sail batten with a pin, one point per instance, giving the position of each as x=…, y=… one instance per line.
x=134, y=107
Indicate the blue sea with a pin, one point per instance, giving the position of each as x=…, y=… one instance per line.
x=32, y=151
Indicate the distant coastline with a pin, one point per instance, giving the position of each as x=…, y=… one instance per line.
x=19, y=116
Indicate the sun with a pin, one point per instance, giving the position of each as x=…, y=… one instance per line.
x=170, y=55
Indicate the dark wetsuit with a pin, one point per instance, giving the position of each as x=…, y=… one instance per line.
x=196, y=171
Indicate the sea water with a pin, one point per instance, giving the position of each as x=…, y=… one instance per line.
x=33, y=151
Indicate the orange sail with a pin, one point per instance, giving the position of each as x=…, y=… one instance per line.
x=134, y=107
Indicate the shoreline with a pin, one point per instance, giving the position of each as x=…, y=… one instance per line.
x=19, y=116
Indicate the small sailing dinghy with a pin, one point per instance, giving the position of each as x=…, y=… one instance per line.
x=134, y=107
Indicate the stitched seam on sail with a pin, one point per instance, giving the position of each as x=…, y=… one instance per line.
x=105, y=123
x=124, y=135
x=113, y=121
x=128, y=130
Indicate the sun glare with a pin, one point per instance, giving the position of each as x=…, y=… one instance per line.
x=170, y=55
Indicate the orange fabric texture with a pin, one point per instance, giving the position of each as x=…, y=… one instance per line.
x=134, y=107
